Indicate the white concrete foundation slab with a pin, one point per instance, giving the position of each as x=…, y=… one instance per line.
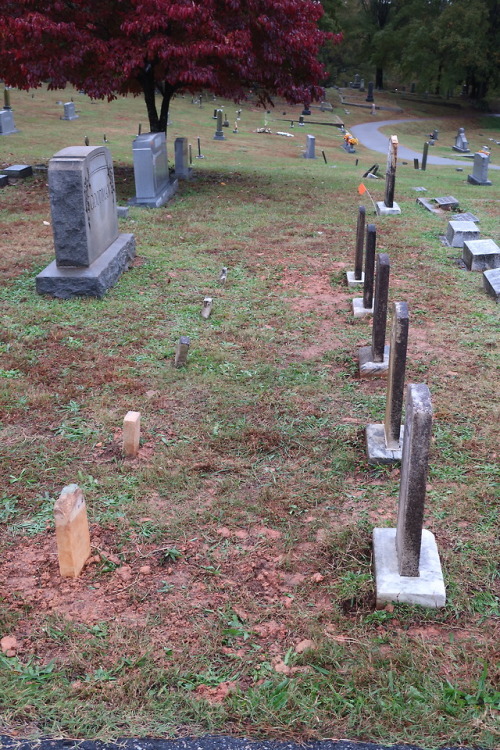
x=427, y=589
x=376, y=446
x=383, y=210
x=353, y=283
x=359, y=310
x=370, y=369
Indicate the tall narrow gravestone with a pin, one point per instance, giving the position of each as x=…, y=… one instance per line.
x=479, y=174
x=72, y=531
x=90, y=252
x=461, y=142
x=153, y=186
x=384, y=441
x=388, y=206
x=356, y=278
x=310, y=153
x=362, y=306
x=406, y=559
x=219, y=133
x=374, y=359
x=369, y=96
x=182, y=168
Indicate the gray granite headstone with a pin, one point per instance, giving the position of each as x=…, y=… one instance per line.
x=309, y=153
x=153, y=186
x=447, y=202
x=459, y=231
x=69, y=112
x=479, y=174
x=7, y=125
x=481, y=255
x=90, y=252
x=461, y=142
x=491, y=283
x=466, y=216
x=380, y=307
x=219, y=133
x=182, y=168
x=389, y=206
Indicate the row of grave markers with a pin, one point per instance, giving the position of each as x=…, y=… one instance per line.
x=406, y=559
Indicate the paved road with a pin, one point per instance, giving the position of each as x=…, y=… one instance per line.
x=369, y=135
x=203, y=743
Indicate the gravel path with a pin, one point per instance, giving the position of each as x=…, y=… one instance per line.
x=369, y=135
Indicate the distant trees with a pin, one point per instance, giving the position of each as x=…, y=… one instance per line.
x=111, y=47
x=439, y=44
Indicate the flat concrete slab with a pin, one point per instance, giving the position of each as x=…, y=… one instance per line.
x=481, y=255
x=370, y=369
x=383, y=210
x=376, y=446
x=359, y=310
x=427, y=205
x=491, y=283
x=353, y=283
x=427, y=589
x=95, y=280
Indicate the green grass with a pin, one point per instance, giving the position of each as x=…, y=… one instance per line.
x=244, y=527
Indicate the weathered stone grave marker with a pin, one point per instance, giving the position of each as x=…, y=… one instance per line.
x=369, y=96
x=309, y=153
x=131, y=433
x=479, y=174
x=182, y=168
x=153, y=186
x=223, y=276
x=91, y=254
x=461, y=142
x=481, y=255
x=219, y=133
x=389, y=207
x=384, y=441
x=72, y=531
x=406, y=559
x=181, y=352
x=466, y=216
x=7, y=125
x=207, y=307
x=374, y=359
x=459, y=231
x=424, y=156
x=18, y=171
x=491, y=283
x=363, y=306
x=69, y=112
x=199, y=155
x=447, y=203
x=356, y=278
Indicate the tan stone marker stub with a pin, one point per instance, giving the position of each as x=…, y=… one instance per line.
x=131, y=433
x=72, y=531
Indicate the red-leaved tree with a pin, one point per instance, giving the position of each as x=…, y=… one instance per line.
x=111, y=47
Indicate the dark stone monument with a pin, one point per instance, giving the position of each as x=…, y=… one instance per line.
x=219, y=133
x=306, y=110
x=384, y=441
x=369, y=96
x=424, y=156
x=91, y=254
x=356, y=278
x=388, y=207
x=18, y=171
x=374, y=359
x=199, y=154
x=406, y=559
x=363, y=306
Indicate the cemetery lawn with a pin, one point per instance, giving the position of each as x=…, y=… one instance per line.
x=230, y=589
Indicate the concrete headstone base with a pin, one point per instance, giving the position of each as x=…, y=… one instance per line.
x=427, y=589
x=370, y=369
x=353, y=283
x=376, y=446
x=481, y=255
x=491, y=283
x=473, y=181
x=95, y=280
x=383, y=210
x=71, y=117
x=359, y=310
x=159, y=199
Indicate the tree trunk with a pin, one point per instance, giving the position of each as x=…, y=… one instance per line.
x=167, y=94
x=379, y=79
x=147, y=82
